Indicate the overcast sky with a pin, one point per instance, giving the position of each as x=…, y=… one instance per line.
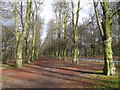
x=47, y=15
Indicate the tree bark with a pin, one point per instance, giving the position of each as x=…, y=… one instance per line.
x=33, y=44
x=109, y=66
x=16, y=25
x=27, y=57
x=21, y=39
x=75, y=28
x=65, y=23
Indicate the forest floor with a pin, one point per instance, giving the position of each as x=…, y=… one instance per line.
x=53, y=73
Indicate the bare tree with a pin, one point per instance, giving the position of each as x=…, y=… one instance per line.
x=21, y=39
x=75, y=28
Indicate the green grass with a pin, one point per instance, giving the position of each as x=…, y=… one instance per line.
x=82, y=64
x=108, y=81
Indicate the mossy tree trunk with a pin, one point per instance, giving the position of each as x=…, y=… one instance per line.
x=105, y=29
x=109, y=67
x=38, y=26
x=37, y=46
x=75, y=28
x=37, y=42
x=21, y=38
x=33, y=40
x=16, y=24
x=35, y=32
x=27, y=57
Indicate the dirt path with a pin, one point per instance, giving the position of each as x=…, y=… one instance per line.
x=51, y=73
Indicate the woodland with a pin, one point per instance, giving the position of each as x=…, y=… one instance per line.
x=75, y=53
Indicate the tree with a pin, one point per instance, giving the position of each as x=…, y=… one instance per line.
x=27, y=57
x=105, y=30
x=33, y=34
x=36, y=31
x=16, y=25
x=21, y=38
x=58, y=12
x=66, y=16
x=50, y=43
x=39, y=23
x=75, y=28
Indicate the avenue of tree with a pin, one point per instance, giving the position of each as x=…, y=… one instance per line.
x=97, y=35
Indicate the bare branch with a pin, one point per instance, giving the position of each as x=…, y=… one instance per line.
x=9, y=30
x=98, y=19
x=114, y=13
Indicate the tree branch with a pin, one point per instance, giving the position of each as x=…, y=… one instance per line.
x=98, y=19
x=9, y=30
x=114, y=13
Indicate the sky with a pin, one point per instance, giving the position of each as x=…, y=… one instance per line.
x=47, y=13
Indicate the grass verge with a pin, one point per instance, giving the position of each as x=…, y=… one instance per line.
x=107, y=81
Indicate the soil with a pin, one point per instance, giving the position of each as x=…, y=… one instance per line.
x=53, y=73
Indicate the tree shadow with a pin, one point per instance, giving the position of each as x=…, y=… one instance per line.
x=49, y=71
x=87, y=72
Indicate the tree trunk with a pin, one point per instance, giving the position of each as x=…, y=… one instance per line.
x=105, y=29
x=75, y=60
x=28, y=48
x=21, y=39
x=109, y=67
x=59, y=35
x=65, y=23
x=85, y=52
x=57, y=52
x=37, y=54
x=59, y=45
x=33, y=45
x=75, y=28
x=33, y=35
x=16, y=26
